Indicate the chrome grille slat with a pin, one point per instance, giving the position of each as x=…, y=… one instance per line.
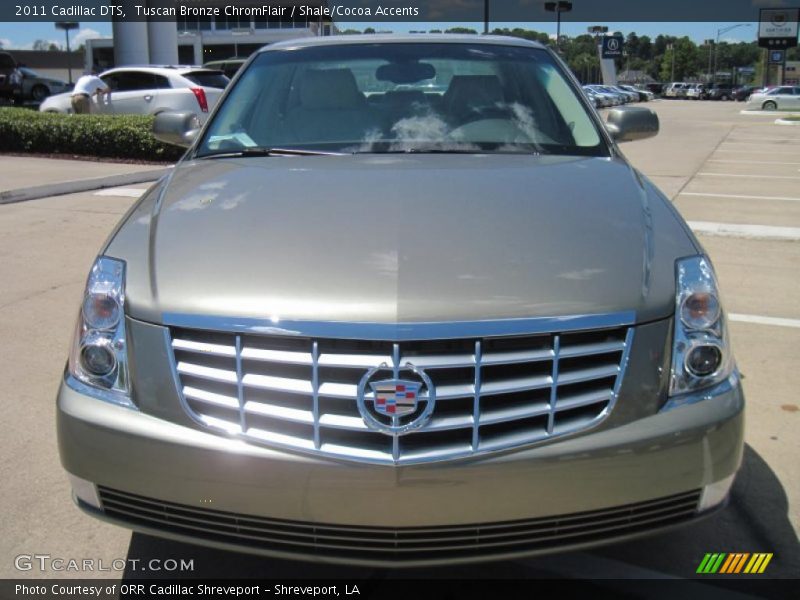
x=492, y=393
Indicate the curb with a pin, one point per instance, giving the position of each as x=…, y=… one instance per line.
x=81, y=185
x=786, y=122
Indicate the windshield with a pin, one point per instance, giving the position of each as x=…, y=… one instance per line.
x=397, y=97
x=28, y=72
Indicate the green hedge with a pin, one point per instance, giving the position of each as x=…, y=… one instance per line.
x=108, y=136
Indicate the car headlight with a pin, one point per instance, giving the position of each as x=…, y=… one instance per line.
x=99, y=359
x=701, y=354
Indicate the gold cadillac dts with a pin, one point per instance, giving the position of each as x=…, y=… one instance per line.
x=402, y=302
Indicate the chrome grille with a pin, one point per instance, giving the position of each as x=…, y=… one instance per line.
x=492, y=393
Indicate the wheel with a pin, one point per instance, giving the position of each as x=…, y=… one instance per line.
x=725, y=98
x=40, y=92
x=769, y=105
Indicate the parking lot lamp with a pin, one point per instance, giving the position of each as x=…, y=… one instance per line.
x=558, y=8
x=671, y=48
x=719, y=33
x=66, y=26
x=710, y=44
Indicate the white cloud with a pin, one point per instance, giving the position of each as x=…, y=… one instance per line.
x=6, y=43
x=84, y=34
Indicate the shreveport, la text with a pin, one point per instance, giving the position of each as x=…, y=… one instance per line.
x=176, y=589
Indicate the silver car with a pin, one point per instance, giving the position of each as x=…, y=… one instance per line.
x=402, y=302
x=785, y=97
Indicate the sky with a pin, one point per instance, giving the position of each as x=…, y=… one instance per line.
x=22, y=35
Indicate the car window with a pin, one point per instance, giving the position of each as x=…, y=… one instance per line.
x=161, y=82
x=28, y=72
x=780, y=90
x=212, y=79
x=129, y=81
x=394, y=97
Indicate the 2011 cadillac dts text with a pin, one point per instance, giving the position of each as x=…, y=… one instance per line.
x=402, y=302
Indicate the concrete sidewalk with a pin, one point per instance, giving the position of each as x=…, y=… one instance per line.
x=28, y=178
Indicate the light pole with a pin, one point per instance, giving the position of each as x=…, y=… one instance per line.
x=671, y=48
x=558, y=8
x=719, y=33
x=710, y=44
x=66, y=26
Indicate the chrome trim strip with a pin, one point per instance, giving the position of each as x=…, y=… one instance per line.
x=476, y=410
x=551, y=415
x=240, y=385
x=400, y=331
x=315, y=390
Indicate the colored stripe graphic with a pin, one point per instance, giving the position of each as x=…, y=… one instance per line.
x=734, y=563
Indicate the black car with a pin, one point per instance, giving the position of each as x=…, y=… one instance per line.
x=720, y=91
x=742, y=93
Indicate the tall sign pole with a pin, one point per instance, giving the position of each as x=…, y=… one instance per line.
x=67, y=26
x=777, y=30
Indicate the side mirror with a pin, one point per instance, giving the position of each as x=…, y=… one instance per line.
x=630, y=123
x=177, y=128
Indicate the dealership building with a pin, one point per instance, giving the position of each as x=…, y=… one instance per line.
x=194, y=40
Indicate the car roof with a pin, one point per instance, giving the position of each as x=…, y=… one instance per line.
x=179, y=69
x=395, y=38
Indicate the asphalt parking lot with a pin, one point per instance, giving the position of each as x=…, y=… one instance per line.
x=735, y=178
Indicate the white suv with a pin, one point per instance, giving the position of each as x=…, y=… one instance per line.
x=151, y=90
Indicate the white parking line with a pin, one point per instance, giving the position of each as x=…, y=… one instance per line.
x=750, y=162
x=739, y=196
x=756, y=232
x=123, y=192
x=748, y=152
x=758, y=319
x=750, y=175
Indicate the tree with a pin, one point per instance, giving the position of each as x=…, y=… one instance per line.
x=435, y=31
x=369, y=30
x=461, y=30
x=40, y=45
x=351, y=31
x=53, y=48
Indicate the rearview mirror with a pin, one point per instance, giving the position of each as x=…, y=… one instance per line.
x=177, y=128
x=630, y=123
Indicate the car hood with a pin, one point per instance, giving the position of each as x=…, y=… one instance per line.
x=401, y=238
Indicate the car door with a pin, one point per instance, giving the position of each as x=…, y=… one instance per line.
x=133, y=92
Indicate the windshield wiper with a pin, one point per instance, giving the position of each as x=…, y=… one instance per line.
x=262, y=151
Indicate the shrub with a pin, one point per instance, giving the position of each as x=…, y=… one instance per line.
x=109, y=136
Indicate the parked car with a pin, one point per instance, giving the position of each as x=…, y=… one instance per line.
x=644, y=95
x=37, y=87
x=656, y=88
x=720, y=91
x=152, y=90
x=695, y=91
x=783, y=97
x=601, y=100
x=8, y=66
x=742, y=93
x=631, y=96
x=230, y=66
x=363, y=325
x=618, y=98
x=676, y=90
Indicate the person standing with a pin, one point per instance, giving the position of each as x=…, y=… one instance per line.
x=15, y=82
x=86, y=88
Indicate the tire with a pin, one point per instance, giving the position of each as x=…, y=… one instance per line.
x=39, y=92
x=725, y=98
x=769, y=105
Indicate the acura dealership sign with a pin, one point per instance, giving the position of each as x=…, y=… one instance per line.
x=777, y=27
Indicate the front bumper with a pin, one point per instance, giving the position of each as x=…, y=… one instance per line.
x=170, y=480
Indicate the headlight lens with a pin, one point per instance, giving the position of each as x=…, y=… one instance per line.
x=99, y=359
x=701, y=354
